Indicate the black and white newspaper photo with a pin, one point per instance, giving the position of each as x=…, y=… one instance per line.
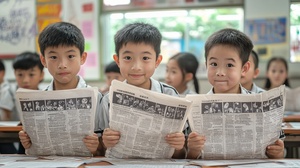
x=238, y=126
x=144, y=118
x=58, y=121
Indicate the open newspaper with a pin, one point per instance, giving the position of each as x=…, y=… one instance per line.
x=58, y=121
x=144, y=118
x=237, y=126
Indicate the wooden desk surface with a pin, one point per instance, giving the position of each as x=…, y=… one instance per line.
x=289, y=129
x=10, y=128
x=292, y=118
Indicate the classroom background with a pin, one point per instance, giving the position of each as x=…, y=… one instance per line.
x=272, y=25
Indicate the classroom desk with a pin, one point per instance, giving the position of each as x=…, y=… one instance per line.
x=292, y=140
x=9, y=131
x=292, y=118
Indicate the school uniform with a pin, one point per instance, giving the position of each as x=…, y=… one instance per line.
x=243, y=90
x=187, y=91
x=256, y=89
x=102, y=119
x=8, y=99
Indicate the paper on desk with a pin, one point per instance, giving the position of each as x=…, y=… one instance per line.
x=9, y=123
x=238, y=126
x=144, y=118
x=284, y=163
x=227, y=162
x=143, y=166
x=57, y=121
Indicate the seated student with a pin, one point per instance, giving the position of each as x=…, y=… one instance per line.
x=62, y=52
x=277, y=73
x=5, y=115
x=112, y=71
x=247, y=79
x=226, y=54
x=181, y=69
x=137, y=55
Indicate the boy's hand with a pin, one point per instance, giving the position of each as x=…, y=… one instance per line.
x=110, y=137
x=91, y=142
x=195, y=144
x=24, y=139
x=176, y=140
x=276, y=150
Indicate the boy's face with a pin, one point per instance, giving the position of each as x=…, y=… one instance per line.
x=29, y=78
x=137, y=63
x=63, y=63
x=224, y=69
x=111, y=76
x=251, y=74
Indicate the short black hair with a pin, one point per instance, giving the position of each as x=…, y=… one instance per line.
x=2, y=67
x=255, y=59
x=27, y=60
x=61, y=33
x=112, y=67
x=233, y=38
x=138, y=33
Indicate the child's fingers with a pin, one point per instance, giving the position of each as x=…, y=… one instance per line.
x=193, y=134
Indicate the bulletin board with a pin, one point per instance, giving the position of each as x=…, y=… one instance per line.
x=17, y=27
x=85, y=15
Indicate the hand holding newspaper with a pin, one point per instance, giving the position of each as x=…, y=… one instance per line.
x=144, y=118
x=58, y=121
x=237, y=126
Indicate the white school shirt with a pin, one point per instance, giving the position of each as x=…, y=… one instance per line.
x=102, y=119
x=243, y=90
x=256, y=89
x=8, y=99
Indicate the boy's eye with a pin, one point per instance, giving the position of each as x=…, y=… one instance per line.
x=31, y=75
x=20, y=75
x=213, y=64
x=52, y=57
x=127, y=58
x=230, y=65
x=71, y=56
x=146, y=58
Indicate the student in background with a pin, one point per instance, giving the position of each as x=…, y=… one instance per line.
x=181, y=69
x=137, y=55
x=247, y=79
x=62, y=52
x=5, y=89
x=112, y=71
x=226, y=54
x=277, y=73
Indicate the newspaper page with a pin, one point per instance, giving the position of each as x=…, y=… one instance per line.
x=58, y=121
x=237, y=126
x=144, y=118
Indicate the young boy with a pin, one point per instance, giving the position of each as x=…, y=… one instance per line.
x=247, y=79
x=62, y=52
x=137, y=55
x=112, y=71
x=226, y=54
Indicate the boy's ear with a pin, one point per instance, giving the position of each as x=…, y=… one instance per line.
x=245, y=68
x=158, y=60
x=116, y=58
x=43, y=60
x=83, y=58
x=256, y=72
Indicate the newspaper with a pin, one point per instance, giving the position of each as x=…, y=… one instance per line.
x=58, y=121
x=237, y=126
x=144, y=118
x=292, y=99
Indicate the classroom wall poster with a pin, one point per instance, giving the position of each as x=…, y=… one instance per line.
x=84, y=14
x=17, y=27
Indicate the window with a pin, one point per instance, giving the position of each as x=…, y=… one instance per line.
x=182, y=30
